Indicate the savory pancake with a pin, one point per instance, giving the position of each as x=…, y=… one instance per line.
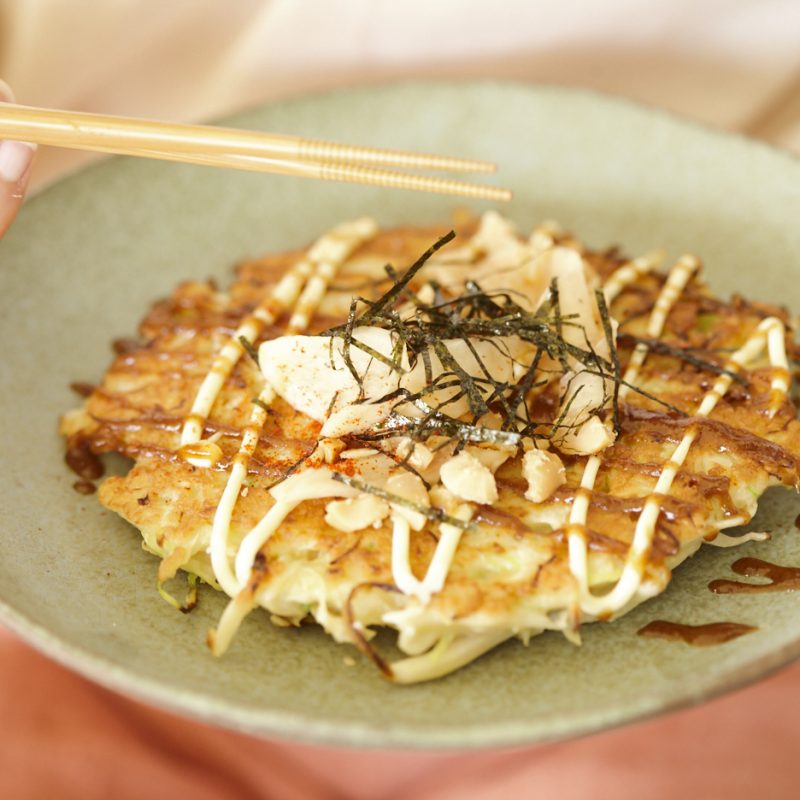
x=510, y=436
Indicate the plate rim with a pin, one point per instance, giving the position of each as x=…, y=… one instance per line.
x=271, y=723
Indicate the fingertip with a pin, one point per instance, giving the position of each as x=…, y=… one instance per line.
x=6, y=95
x=16, y=159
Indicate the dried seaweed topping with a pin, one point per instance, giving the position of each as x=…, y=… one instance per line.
x=480, y=322
x=250, y=349
x=476, y=319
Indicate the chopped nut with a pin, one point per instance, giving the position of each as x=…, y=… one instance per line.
x=357, y=452
x=330, y=449
x=419, y=456
x=443, y=498
x=544, y=472
x=492, y=456
x=356, y=513
x=590, y=437
x=468, y=479
x=410, y=487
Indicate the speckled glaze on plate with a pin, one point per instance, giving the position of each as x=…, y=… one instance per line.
x=90, y=254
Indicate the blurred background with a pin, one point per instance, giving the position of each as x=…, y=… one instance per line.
x=729, y=63
x=733, y=64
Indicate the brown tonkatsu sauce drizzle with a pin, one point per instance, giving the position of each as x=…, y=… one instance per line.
x=781, y=579
x=84, y=487
x=81, y=460
x=82, y=388
x=797, y=521
x=713, y=433
x=696, y=635
x=123, y=346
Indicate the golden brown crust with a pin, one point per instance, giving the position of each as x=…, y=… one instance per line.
x=516, y=558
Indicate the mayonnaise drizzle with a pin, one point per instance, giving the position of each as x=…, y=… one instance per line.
x=679, y=276
x=324, y=257
x=449, y=537
x=220, y=530
x=770, y=333
x=310, y=484
x=323, y=260
x=442, y=560
x=283, y=295
x=630, y=273
x=677, y=279
x=403, y=577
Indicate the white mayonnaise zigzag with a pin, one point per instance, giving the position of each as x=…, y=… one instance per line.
x=319, y=265
x=770, y=333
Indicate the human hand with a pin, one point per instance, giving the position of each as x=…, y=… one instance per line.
x=16, y=159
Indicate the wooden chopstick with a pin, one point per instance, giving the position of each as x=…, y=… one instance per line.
x=86, y=131
x=249, y=150
x=330, y=172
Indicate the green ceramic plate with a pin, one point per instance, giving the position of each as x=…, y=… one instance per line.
x=90, y=254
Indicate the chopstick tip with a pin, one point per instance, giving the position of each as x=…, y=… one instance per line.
x=478, y=166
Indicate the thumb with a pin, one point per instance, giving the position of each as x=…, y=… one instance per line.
x=16, y=159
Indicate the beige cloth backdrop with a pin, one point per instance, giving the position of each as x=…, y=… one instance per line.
x=731, y=63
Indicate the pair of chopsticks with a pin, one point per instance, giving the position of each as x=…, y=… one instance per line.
x=241, y=149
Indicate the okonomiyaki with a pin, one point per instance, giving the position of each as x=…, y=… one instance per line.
x=463, y=436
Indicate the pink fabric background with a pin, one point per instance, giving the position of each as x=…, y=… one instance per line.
x=67, y=738
x=731, y=63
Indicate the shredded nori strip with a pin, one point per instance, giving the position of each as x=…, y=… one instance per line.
x=681, y=353
x=420, y=331
x=331, y=405
x=389, y=297
x=257, y=401
x=605, y=317
x=250, y=349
